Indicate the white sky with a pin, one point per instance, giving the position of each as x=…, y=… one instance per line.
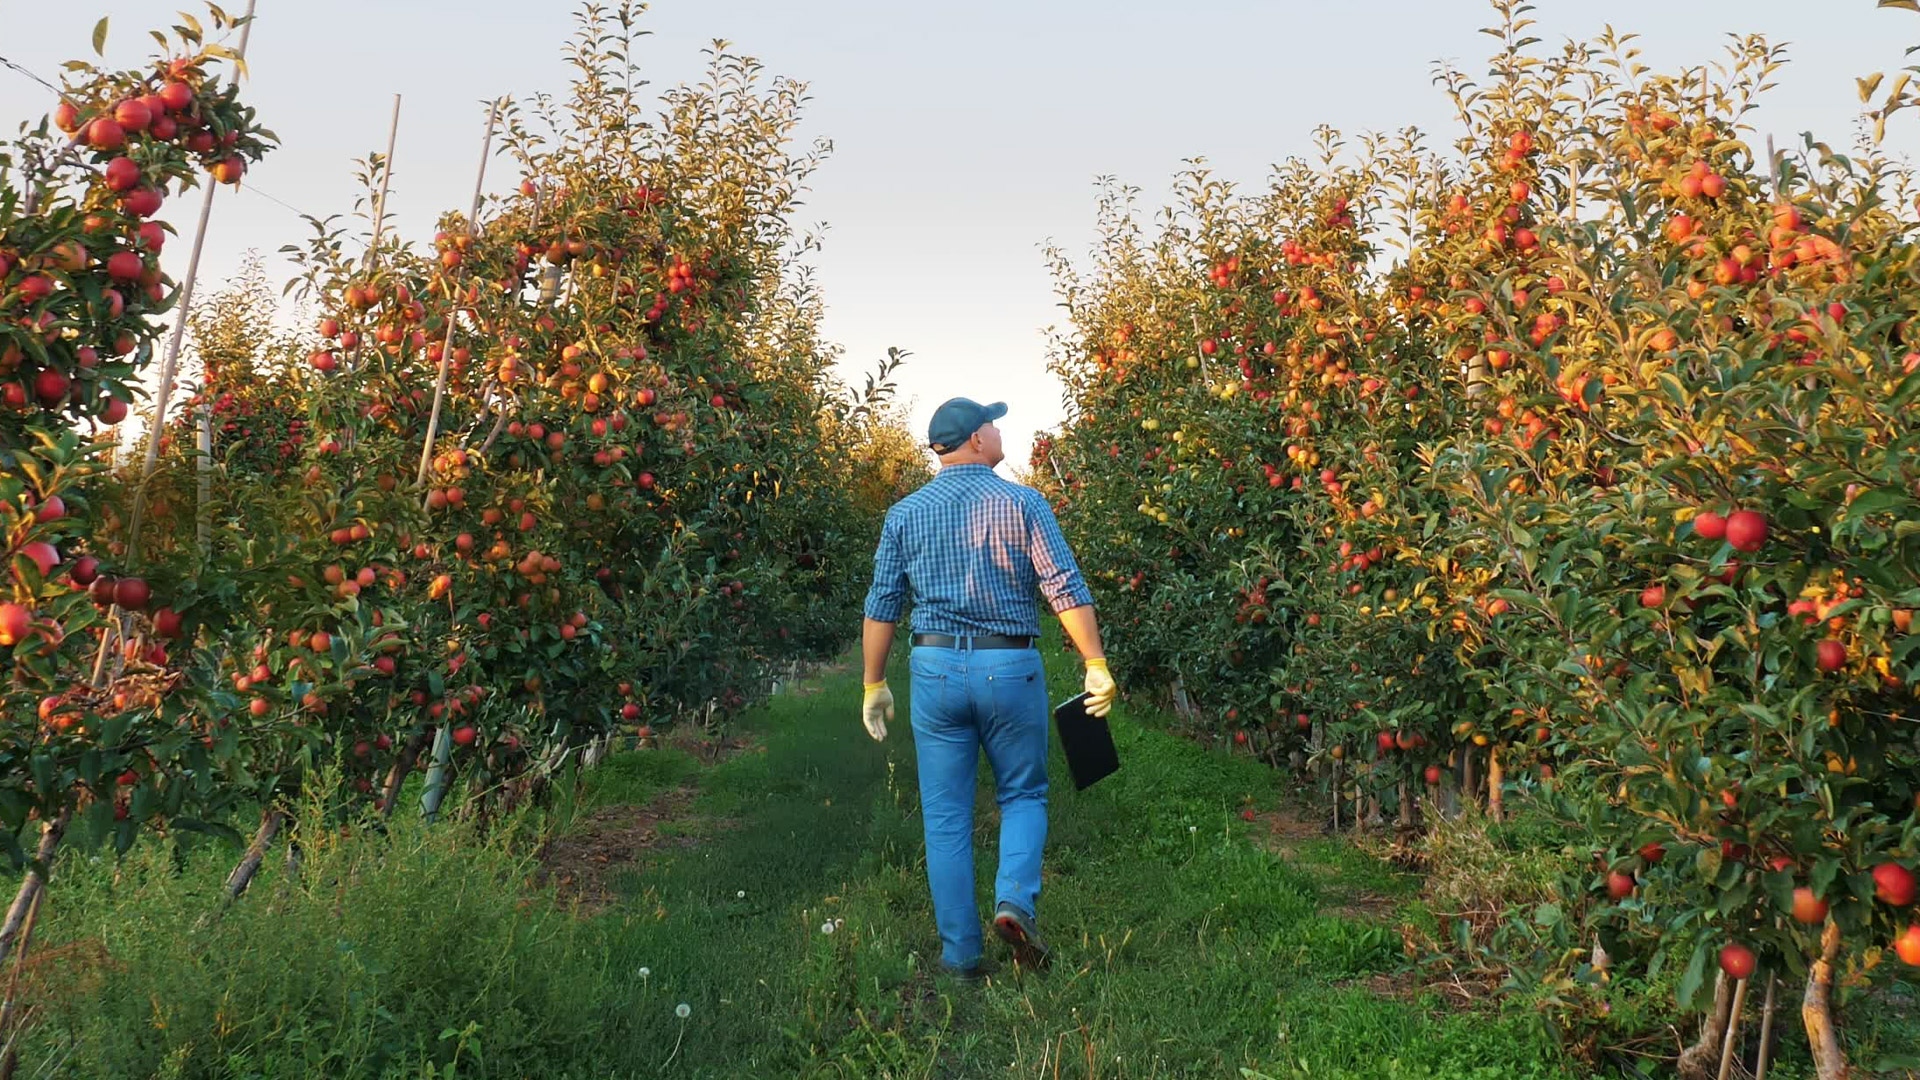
x=965, y=135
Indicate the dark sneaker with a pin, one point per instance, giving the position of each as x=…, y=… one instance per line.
x=973, y=973
x=1018, y=929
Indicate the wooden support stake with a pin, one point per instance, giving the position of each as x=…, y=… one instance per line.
x=1766, y=1029
x=171, y=364
x=372, y=258
x=203, y=479
x=386, y=177
x=446, y=347
x=1733, y=1028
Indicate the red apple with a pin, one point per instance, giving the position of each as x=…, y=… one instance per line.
x=131, y=593
x=133, y=115
x=1893, y=884
x=176, y=96
x=51, y=387
x=122, y=174
x=126, y=266
x=1907, y=945
x=143, y=202
x=1736, y=960
x=1620, y=885
x=43, y=554
x=106, y=134
x=1831, y=655
x=1710, y=526
x=15, y=621
x=1808, y=908
x=1746, y=530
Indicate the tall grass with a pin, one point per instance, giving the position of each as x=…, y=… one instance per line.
x=387, y=952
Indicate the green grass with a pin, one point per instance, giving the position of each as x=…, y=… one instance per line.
x=1184, y=946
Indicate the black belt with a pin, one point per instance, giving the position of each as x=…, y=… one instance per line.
x=977, y=641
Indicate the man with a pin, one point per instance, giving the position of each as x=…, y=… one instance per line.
x=973, y=548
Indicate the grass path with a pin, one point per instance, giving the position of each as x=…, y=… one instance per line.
x=1185, y=947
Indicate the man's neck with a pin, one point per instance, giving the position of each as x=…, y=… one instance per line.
x=945, y=465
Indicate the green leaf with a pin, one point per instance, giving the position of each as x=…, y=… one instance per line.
x=100, y=37
x=1696, y=974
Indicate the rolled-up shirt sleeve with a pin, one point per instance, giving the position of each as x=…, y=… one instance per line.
x=1053, y=562
x=888, y=594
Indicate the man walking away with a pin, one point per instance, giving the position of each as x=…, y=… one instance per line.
x=973, y=548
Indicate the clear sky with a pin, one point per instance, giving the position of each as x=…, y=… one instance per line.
x=965, y=135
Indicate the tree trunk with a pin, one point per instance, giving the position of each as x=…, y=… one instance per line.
x=1496, y=779
x=1469, y=778
x=402, y=765
x=1408, y=823
x=1338, y=772
x=242, y=875
x=1816, y=1009
x=1699, y=1061
x=13, y=980
x=437, y=774
x=33, y=883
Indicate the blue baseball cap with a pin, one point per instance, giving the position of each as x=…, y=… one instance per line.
x=955, y=421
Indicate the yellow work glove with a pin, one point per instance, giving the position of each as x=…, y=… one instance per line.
x=876, y=709
x=1100, y=687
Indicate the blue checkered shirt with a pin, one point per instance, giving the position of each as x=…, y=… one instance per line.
x=973, y=548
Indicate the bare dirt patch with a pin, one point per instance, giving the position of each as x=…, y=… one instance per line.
x=808, y=678
x=1283, y=831
x=1460, y=991
x=610, y=840
x=1365, y=906
x=711, y=750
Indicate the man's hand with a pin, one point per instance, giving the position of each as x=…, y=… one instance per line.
x=876, y=709
x=1100, y=687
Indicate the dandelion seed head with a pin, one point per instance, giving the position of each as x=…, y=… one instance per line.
x=741, y=895
x=827, y=927
x=683, y=1010
x=644, y=972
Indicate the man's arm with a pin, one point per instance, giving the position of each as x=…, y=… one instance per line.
x=1059, y=577
x=1084, y=631
x=876, y=642
x=885, y=598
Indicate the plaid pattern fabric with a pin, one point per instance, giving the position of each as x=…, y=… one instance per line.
x=973, y=549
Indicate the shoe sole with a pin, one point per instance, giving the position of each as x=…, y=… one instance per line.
x=1026, y=951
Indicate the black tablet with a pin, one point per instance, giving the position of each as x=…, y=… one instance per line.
x=1087, y=741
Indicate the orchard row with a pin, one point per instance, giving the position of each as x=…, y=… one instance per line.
x=1579, y=465
x=580, y=467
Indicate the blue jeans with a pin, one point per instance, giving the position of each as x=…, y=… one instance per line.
x=962, y=700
